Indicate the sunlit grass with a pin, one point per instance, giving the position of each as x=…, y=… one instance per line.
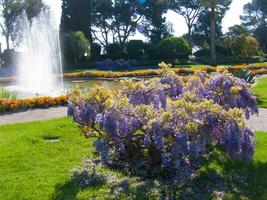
x=32, y=167
x=260, y=90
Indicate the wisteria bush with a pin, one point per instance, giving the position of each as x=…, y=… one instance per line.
x=167, y=122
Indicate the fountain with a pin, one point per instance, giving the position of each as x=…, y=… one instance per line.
x=39, y=66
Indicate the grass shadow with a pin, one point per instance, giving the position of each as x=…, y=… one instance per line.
x=218, y=175
x=236, y=179
x=79, y=182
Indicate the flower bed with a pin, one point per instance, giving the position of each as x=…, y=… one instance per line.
x=259, y=72
x=156, y=72
x=13, y=105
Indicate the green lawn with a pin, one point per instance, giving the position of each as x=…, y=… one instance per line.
x=261, y=91
x=32, y=168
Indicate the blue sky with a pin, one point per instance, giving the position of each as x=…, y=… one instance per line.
x=179, y=26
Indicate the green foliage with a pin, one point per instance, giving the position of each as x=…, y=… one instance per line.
x=76, y=16
x=75, y=47
x=245, y=47
x=155, y=26
x=5, y=94
x=172, y=48
x=115, y=51
x=245, y=75
x=95, y=51
x=151, y=51
x=135, y=49
x=114, y=20
x=190, y=10
x=237, y=30
x=254, y=18
x=10, y=10
x=33, y=7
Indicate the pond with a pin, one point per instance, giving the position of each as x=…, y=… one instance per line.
x=68, y=84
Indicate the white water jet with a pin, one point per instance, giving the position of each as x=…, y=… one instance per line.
x=39, y=66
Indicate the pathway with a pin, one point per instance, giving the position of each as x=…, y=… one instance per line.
x=33, y=115
x=258, y=123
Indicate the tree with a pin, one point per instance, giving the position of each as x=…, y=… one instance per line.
x=11, y=10
x=190, y=10
x=201, y=33
x=173, y=47
x=115, y=21
x=76, y=16
x=127, y=16
x=237, y=30
x=255, y=14
x=214, y=7
x=155, y=26
x=135, y=49
x=244, y=47
x=76, y=46
x=33, y=7
x=255, y=19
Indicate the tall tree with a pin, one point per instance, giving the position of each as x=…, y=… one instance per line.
x=102, y=23
x=156, y=27
x=11, y=10
x=201, y=32
x=115, y=21
x=190, y=10
x=127, y=16
x=255, y=19
x=214, y=7
x=237, y=30
x=76, y=16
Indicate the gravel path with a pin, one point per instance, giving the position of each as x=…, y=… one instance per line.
x=33, y=115
x=257, y=123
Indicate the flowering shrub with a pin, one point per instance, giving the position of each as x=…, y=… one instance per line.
x=168, y=122
x=12, y=105
x=109, y=64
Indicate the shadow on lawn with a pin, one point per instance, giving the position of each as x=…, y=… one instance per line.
x=234, y=180
x=261, y=100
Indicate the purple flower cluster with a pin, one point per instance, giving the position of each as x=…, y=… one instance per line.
x=231, y=92
x=174, y=122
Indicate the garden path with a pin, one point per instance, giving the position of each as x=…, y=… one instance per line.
x=258, y=123
x=33, y=115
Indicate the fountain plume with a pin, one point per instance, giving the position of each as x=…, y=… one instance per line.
x=40, y=67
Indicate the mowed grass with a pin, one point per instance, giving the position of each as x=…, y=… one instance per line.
x=260, y=90
x=30, y=166
x=33, y=168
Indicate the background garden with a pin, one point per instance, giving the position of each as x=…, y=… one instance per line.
x=165, y=117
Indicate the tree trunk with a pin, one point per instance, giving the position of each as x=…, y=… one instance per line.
x=190, y=37
x=212, y=38
x=7, y=42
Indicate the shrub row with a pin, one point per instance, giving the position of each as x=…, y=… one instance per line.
x=259, y=72
x=14, y=105
x=156, y=72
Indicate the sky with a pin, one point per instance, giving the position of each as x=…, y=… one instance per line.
x=231, y=18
